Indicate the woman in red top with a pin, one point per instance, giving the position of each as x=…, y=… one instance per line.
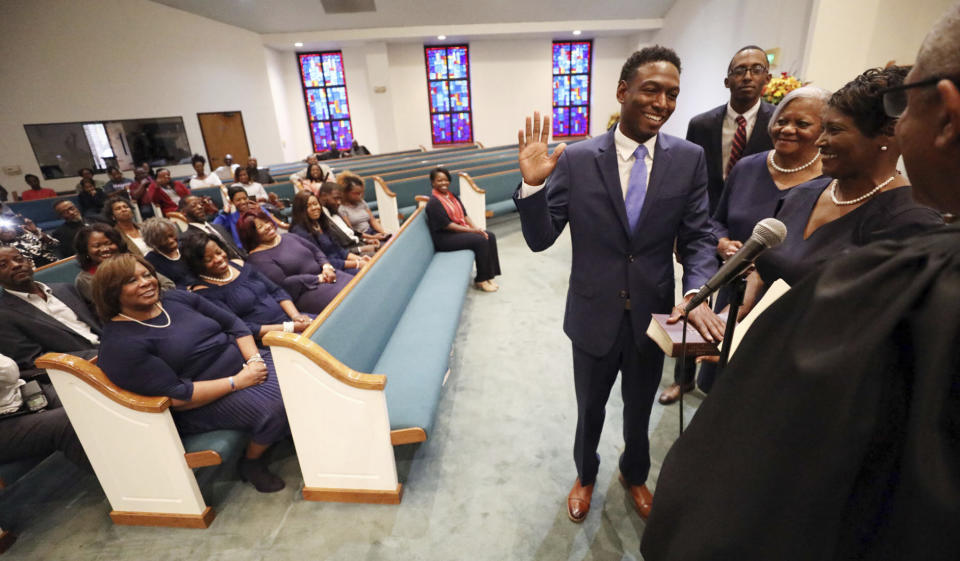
x=165, y=192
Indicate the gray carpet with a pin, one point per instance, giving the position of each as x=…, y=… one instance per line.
x=489, y=484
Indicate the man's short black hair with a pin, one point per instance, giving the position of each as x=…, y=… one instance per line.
x=748, y=48
x=656, y=53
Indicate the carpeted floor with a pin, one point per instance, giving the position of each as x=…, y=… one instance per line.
x=489, y=484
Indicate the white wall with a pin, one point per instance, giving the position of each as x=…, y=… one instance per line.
x=706, y=34
x=120, y=59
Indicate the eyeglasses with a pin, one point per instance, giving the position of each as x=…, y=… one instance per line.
x=739, y=71
x=895, y=98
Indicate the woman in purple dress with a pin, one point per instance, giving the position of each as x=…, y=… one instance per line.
x=196, y=353
x=295, y=264
x=309, y=222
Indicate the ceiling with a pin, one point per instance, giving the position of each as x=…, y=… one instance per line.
x=287, y=16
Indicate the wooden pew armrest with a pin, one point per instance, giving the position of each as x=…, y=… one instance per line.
x=326, y=361
x=383, y=185
x=95, y=378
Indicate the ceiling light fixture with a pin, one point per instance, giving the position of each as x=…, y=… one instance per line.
x=298, y=44
x=441, y=37
x=577, y=32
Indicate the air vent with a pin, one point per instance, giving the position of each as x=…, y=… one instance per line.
x=347, y=6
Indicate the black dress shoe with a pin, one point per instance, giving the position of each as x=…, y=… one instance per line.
x=256, y=472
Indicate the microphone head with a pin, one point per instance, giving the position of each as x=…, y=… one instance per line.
x=770, y=232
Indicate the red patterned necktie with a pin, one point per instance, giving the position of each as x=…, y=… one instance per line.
x=739, y=141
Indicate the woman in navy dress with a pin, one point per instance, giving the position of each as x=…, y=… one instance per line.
x=867, y=199
x=160, y=235
x=309, y=222
x=295, y=264
x=198, y=354
x=238, y=287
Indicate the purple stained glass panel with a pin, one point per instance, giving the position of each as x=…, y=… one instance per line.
x=310, y=71
x=333, y=69
x=561, y=91
x=320, y=131
x=437, y=63
x=580, y=58
x=459, y=95
x=457, y=62
x=561, y=122
x=462, y=130
x=579, y=120
x=579, y=89
x=343, y=134
x=317, y=104
x=561, y=58
x=337, y=99
x=439, y=96
x=441, y=128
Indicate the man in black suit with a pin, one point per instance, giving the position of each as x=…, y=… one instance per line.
x=727, y=133
x=66, y=232
x=192, y=208
x=37, y=319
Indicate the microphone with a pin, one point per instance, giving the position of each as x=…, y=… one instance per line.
x=768, y=233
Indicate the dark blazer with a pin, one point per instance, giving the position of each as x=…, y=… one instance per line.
x=706, y=130
x=26, y=332
x=233, y=252
x=611, y=264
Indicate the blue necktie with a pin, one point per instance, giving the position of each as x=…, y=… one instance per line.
x=636, y=186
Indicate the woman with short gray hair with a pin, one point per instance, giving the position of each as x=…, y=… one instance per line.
x=162, y=236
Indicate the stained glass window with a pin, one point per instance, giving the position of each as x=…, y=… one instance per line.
x=571, y=88
x=325, y=93
x=448, y=83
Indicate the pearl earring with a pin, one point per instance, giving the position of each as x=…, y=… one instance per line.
x=883, y=148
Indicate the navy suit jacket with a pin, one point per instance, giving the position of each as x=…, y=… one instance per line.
x=706, y=131
x=610, y=263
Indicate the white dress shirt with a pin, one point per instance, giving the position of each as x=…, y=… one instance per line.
x=210, y=180
x=10, y=382
x=337, y=221
x=254, y=190
x=730, y=128
x=226, y=173
x=54, y=307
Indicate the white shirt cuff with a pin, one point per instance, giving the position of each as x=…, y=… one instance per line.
x=691, y=291
x=527, y=190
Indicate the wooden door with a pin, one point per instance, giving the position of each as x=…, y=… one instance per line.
x=223, y=134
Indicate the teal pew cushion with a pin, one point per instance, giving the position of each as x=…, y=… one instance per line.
x=502, y=207
x=65, y=271
x=416, y=357
x=41, y=210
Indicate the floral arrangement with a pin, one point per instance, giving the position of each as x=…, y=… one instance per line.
x=780, y=86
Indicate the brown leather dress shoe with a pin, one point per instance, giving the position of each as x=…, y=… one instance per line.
x=642, y=497
x=672, y=393
x=578, y=501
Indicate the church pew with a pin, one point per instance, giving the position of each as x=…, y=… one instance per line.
x=499, y=188
x=368, y=372
x=143, y=465
x=41, y=211
x=64, y=270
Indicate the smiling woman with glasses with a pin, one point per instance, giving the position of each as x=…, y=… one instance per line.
x=895, y=98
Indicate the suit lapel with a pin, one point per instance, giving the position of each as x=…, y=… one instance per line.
x=18, y=306
x=755, y=142
x=716, y=137
x=609, y=171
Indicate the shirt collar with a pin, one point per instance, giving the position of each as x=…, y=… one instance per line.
x=46, y=290
x=626, y=146
x=748, y=114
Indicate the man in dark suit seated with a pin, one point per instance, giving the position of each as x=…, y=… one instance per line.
x=628, y=196
x=727, y=133
x=66, y=232
x=37, y=318
x=192, y=208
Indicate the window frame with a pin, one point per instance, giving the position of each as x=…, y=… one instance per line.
x=588, y=104
x=431, y=112
x=325, y=87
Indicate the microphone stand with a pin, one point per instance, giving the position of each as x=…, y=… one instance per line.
x=683, y=356
x=738, y=289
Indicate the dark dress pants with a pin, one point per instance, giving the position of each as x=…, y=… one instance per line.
x=484, y=249
x=40, y=434
x=593, y=378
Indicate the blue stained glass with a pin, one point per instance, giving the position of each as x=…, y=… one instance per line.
x=337, y=99
x=441, y=128
x=561, y=90
x=343, y=134
x=457, y=62
x=459, y=95
x=579, y=89
x=580, y=58
x=439, y=97
x=578, y=120
x=462, y=130
x=310, y=71
x=321, y=135
x=561, y=58
x=561, y=126
x=333, y=69
x=317, y=104
x=437, y=63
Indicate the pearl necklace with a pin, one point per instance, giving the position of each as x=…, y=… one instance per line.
x=874, y=191
x=774, y=165
x=164, y=312
x=224, y=279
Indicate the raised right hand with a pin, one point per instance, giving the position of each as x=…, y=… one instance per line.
x=535, y=164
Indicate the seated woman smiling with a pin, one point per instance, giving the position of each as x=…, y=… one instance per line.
x=240, y=288
x=196, y=353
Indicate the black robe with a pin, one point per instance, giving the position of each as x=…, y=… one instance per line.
x=834, y=433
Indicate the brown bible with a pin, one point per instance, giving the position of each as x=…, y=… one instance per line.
x=668, y=337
